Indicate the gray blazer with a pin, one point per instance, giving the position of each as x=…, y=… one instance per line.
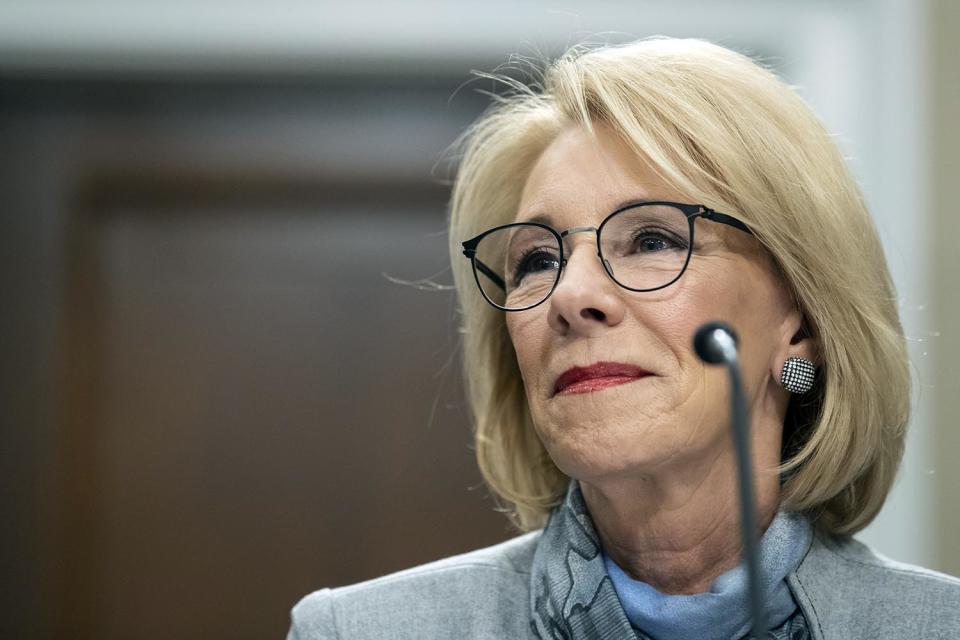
x=845, y=590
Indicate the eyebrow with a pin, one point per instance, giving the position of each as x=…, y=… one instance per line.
x=545, y=218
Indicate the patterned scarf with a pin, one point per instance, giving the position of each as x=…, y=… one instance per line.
x=573, y=597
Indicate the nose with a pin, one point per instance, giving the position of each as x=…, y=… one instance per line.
x=585, y=301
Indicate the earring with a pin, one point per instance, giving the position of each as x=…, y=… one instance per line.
x=797, y=375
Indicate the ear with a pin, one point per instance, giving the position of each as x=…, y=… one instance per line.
x=796, y=338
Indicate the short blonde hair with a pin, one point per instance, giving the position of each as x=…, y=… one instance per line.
x=729, y=134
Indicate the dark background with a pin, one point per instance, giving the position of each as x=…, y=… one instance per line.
x=247, y=401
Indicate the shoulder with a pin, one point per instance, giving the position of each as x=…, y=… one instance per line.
x=853, y=591
x=485, y=591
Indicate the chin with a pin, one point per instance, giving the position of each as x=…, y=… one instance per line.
x=585, y=454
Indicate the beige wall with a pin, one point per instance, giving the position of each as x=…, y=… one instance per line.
x=945, y=202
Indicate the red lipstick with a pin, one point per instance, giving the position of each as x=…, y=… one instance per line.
x=597, y=376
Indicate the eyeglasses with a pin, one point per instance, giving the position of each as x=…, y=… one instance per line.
x=643, y=246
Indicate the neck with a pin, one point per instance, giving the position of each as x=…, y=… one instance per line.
x=679, y=528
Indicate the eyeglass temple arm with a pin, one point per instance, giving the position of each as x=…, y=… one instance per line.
x=723, y=218
x=487, y=271
x=484, y=269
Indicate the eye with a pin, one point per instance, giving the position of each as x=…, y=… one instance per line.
x=534, y=261
x=653, y=241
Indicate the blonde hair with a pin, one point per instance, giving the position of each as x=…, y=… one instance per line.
x=728, y=133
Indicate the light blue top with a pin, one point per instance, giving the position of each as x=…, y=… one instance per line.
x=723, y=612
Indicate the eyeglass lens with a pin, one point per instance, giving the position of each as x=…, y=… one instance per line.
x=643, y=247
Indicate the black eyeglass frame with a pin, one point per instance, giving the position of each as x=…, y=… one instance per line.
x=691, y=211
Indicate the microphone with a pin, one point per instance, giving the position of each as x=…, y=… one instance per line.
x=716, y=343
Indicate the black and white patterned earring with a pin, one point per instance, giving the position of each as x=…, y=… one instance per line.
x=797, y=375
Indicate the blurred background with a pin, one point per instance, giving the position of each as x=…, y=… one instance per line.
x=219, y=393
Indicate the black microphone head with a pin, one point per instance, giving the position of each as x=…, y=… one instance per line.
x=714, y=342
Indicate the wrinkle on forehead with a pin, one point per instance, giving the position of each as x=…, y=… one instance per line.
x=587, y=176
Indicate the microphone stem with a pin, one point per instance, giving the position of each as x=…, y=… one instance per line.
x=741, y=440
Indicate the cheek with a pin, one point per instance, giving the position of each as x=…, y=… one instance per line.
x=668, y=322
x=707, y=293
x=753, y=303
x=526, y=331
x=690, y=390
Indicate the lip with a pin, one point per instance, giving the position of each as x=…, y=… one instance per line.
x=596, y=376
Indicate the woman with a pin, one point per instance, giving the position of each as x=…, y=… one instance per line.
x=595, y=224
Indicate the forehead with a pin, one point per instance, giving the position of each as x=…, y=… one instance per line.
x=581, y=177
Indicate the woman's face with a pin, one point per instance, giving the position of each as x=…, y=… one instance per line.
x=678, y=414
